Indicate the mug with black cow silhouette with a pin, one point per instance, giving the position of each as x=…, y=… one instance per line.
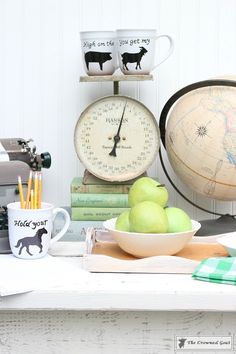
x=30, y=230
x=136, y=51
x=99, y=52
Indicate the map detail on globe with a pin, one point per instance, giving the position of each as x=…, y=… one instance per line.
x=201, y=141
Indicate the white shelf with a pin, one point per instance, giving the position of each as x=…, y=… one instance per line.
x=114, y=78
x=128, y=292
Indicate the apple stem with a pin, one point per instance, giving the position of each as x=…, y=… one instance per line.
x=160, y=185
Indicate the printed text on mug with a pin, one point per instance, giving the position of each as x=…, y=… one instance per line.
x=30, y=223
x=89, y=45
x=134, y=41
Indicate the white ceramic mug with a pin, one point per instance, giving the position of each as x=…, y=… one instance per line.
x=99, y=52
x=136, y=50
x=30, y=230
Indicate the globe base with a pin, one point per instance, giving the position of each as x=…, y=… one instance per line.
x=224, y=224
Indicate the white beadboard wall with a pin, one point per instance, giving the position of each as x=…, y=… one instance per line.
x=40, y=66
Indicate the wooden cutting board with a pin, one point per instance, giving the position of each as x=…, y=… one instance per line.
x=109, y=257
x=194, y=251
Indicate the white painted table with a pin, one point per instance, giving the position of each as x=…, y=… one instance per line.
x=116, y=313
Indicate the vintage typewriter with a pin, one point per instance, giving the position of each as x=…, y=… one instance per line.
x=17, y=157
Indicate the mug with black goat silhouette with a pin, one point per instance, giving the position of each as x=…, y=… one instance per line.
x=99, y=52
x=136, y=50
x=30, y=230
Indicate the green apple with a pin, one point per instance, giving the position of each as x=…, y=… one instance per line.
x=178, y=220
x=146, y=188
x=122, y=222
x=148, y=217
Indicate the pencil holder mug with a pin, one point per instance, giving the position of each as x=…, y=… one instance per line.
x=30, y=230
x=136, y=50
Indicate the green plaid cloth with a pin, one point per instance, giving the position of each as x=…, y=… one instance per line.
x=217, y=270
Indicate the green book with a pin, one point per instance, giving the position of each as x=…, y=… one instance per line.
x=99, y=200
x=83, y=213
x=77, y=186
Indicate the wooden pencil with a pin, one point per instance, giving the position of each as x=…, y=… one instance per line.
x=32, y=199
x=39, y=189
x=28, y=190
x=35, y=190
x=22, y=202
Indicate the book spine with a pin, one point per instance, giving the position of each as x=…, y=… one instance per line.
x=88, y=178
x=103, y=200
x=95, y=214
x=77, y=229
x=100, y=188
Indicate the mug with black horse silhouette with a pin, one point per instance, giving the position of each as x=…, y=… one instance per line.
x=30, y=230
x=136, y=51
x=99, y=52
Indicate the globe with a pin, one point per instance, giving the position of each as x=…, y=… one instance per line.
x=198, y=130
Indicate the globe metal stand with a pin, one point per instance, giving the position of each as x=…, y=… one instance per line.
x=226, y=222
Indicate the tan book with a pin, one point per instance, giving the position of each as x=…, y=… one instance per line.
x=77, y=186
x=89, y=178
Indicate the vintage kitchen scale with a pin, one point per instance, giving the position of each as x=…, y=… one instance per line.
x=116, y=137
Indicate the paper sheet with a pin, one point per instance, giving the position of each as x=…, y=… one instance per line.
x=68, y=248
x=19, y=275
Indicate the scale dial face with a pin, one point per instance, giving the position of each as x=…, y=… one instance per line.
x=116, y=138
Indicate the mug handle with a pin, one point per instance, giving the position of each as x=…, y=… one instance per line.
x=65, y=227
x=170, y=50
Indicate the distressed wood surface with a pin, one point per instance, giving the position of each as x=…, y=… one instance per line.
x=106, y=332
x=116, y=313
x=126, y=292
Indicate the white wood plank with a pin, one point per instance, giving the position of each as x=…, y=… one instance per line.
x=41, y=62
x=13, y=68
x=106, y=331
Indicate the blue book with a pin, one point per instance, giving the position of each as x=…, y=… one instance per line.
x=77, y=229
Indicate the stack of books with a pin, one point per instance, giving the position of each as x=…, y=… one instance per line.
x=97, y=200
x=76, y=230
x=92, y=202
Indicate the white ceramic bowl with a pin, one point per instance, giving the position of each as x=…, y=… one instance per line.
x=229, y=242
x=147, y=245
